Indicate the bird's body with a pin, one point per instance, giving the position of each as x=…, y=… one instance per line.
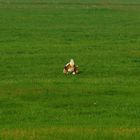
x=70, y=68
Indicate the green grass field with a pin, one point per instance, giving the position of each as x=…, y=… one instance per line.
x=38, y=102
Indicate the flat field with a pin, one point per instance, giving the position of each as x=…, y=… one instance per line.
x=38, y=102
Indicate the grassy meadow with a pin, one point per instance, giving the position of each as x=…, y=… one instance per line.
x=38, y=102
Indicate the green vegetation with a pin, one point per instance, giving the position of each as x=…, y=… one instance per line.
x=38, y=37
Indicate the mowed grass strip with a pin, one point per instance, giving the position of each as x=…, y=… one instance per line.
x=70, y=133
